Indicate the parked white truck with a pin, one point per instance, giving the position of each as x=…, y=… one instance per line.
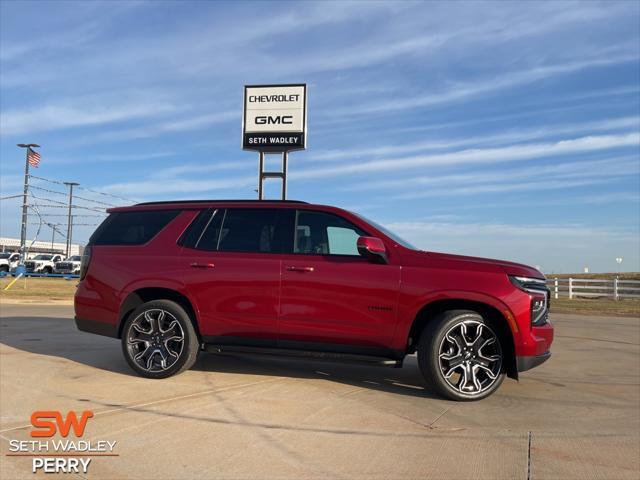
x=42, y=263
x=8, y=261
x=70, y=265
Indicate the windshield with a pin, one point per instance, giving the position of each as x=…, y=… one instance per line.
x=5, y=255
x=75, y=258
x=389, y=234
x=43, y=257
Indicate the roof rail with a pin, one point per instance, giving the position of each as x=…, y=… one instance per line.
x=166, y=202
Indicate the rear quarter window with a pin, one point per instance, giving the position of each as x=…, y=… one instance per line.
x=132, y=228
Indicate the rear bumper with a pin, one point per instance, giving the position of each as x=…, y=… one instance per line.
x=99, y=328
x=527, y=363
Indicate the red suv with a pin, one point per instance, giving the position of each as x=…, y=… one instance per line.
x=173, y=278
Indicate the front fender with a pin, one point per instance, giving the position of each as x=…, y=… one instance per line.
x=409, y=310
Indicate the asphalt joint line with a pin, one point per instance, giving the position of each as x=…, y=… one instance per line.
x=529, y=458
x=446, y=410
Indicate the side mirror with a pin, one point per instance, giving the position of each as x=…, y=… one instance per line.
x=373, y=249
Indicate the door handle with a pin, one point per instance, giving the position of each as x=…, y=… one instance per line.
x=300, y=269
x=202, y=265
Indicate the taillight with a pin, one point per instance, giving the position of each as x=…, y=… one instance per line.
x=84, y=264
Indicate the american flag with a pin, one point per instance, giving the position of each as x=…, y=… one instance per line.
x=33, y=157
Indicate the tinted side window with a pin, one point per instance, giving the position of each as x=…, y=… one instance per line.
x=320, y=233
x=132, y=228
x=195, y=232
x=261, y=230
x=208, y=239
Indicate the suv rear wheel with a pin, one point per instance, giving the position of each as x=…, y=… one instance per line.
x=460, y=356
x=158, y=340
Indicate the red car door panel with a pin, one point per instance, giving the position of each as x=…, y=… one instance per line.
x=338, y=299
x=232, y=269
x=236, y=294
x=331, y=294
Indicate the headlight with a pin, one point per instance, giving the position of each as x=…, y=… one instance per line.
x=539, y=293
x=539, y=310
x=529, y=284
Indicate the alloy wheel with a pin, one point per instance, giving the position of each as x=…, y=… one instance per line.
x=470, y=357
x=155, y=340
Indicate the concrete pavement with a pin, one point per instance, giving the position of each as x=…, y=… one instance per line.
x=245, y=417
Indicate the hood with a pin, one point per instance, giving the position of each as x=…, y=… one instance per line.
x=476, y=263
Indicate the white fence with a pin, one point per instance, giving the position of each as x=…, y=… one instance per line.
x=594, y=287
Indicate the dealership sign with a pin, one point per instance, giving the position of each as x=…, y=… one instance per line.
x=274, y=118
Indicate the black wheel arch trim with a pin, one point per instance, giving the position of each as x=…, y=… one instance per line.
x=147, y=294
x=430, y=310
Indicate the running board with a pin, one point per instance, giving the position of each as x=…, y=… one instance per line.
x=306, y=354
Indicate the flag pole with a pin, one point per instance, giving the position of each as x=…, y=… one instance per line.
x=69, y=216
x=23, y=229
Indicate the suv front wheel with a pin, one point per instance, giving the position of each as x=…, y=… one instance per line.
x=460, y=356
x=158, y=340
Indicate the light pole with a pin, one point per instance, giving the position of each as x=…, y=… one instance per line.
x=54, y=230
x=69, y=217
x=23, y=227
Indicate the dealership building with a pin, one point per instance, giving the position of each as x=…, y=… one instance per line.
x=8, y=244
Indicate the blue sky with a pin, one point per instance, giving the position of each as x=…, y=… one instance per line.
x=507, y=130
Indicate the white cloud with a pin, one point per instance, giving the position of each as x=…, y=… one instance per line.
x=153, y=129
x=511, y=136
x=479, y=156
x=497, y=82
x=172, y=172
x=81, y=25
x=535, y=185
x=93, y=157
x=480, y=29
x=591, y=169
x=85, y=111
x=173, y=186
x=11, y=184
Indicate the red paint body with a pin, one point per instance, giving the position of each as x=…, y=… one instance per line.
x=329, y=299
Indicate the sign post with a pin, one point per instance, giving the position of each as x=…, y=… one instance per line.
x=274, y=121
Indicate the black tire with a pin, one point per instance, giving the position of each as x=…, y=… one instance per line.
x=4, y=268
x=470, y=368
x=47, y=270
x=141, y=337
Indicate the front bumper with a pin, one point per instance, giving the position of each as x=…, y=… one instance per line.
x=527, y=363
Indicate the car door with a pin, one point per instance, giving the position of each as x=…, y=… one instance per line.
x=332, y=295
x=231, y=264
